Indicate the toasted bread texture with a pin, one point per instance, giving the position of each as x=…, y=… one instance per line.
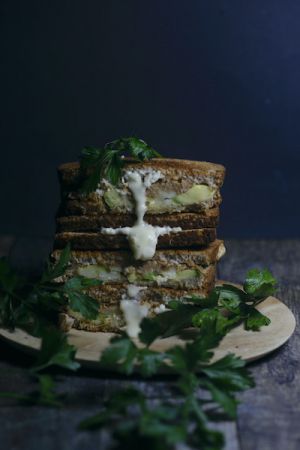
x=184, y=186
x=70, y=175
x=94, y=222
x=99, y=241
x=124, y=258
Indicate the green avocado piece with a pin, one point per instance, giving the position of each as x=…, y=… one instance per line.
x=187, y=274
x=91, y=271
x=113, y=199
x=155, y=204
x=131, y=277
x=149, y=276
x=196, y=194
x=99, y=272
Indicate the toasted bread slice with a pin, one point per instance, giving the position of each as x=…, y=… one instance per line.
x=70, y=175
x=123, y=258
x=207, y=219
x=100, y=241
x=184, y=186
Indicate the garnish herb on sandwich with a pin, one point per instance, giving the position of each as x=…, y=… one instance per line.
x=107, y=162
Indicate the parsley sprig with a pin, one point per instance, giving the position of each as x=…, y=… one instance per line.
x=107, y=162
x=202, y=391
x=225, y=307
x=34, y=306
x=44, y=395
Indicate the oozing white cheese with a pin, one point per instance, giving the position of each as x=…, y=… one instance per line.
x=132, y=310
x=134, y=314
x=167, y=275
x=133, y=290
x=159, y=309
x=142, y=237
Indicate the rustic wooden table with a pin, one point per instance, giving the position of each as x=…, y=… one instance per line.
x=268, y=416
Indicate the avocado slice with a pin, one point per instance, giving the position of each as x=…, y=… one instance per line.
x=99, y=272
x=91, y=271
x=131, y=277
x=149, y=276
x=187, y=274
x=178, y=276
x=113, y=199
x=196, y=194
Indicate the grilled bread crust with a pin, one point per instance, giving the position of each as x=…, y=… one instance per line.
x=94, y=222
x=100, y=241
x=70, y=175
x=163, y=258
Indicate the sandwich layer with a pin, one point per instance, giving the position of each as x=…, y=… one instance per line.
x=110, y=200
x=111, y=295
x=94, y=222
x=188, y=275
x=110, y=318
x=101, y=241
x=190, y=186
x=70, y=175
x=168, y=268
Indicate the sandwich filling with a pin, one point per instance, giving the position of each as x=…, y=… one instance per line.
x=142, y=236
x=163, y=201
x=181, y=277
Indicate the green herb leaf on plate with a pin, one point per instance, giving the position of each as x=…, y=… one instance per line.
x=56, y=351
x=256, y=320
x=121, y=354
x=260, y=283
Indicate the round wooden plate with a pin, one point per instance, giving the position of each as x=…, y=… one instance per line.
x=249, y=345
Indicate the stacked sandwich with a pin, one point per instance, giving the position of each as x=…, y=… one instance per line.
x=150, y=238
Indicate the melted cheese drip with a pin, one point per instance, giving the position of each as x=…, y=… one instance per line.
x=133, y=290
x=142, y=237
x=133, y=312
x=160, y=309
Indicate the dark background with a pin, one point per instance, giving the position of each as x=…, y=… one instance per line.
x=209, y=80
